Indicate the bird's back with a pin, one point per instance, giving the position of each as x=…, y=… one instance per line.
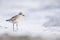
x=15, y=19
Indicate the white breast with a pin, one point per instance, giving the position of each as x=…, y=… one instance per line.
x=18, y=18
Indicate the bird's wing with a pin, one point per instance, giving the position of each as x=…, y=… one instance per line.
x=13, y=18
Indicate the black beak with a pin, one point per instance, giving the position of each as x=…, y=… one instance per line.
x=23, y=15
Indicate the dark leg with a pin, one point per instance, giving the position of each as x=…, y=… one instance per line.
x=13, y=26
x=17, y=26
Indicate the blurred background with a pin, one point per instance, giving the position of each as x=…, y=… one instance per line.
x=41, y=20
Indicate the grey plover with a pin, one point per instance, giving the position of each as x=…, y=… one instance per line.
x=15, y=19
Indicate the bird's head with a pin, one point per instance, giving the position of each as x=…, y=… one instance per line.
x=21, y=14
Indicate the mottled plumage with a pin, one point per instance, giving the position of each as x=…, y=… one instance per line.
x=15, y=19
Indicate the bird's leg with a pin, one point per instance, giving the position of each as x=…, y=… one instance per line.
x=13, y=26
x=17, y=26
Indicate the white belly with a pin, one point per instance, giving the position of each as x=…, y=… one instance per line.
x=17, y=20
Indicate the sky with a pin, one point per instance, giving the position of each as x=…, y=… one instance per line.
x=40, y=16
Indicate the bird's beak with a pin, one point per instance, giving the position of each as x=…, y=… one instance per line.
x=23, y=15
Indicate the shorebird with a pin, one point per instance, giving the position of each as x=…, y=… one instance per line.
x=15, y=19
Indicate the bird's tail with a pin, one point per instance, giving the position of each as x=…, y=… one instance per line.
x=7, y=20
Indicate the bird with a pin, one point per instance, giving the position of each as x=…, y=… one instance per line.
x=15, y=19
